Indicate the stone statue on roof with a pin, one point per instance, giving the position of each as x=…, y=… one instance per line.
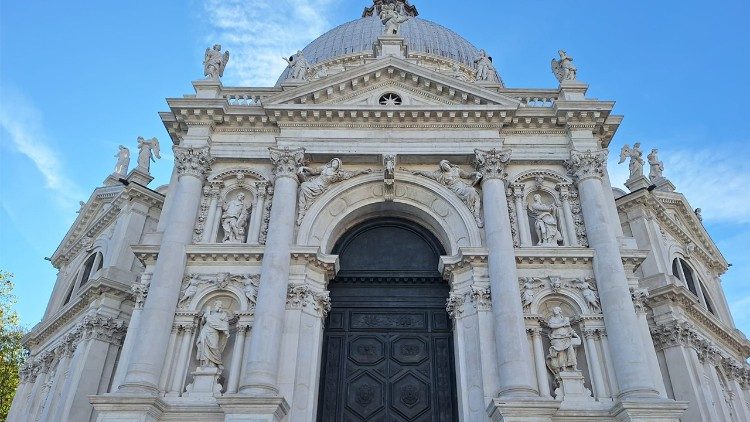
x=298, y=66
x=392, y=18
x=214, y=62
x=485, y=69
x=564, y=69
x=636, y=159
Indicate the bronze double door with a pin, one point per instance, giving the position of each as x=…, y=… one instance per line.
x=388, y=346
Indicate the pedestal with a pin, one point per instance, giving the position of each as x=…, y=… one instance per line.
x=663, y=184
x=635, y=183
x=532, y=410
x=570, y=389
x=391, y=46
x=205, y=383
x=242, y=408
x=649, y=411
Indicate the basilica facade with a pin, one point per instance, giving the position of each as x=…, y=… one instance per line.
x=388, y=234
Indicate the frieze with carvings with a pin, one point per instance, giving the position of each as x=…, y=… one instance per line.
x=301, y=296
x=192, y=284
x=583, y=288
x=455, y=304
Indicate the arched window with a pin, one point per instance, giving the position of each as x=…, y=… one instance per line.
x=707, y=299
x=88, y=267
x=70, y=290
x=682, y=270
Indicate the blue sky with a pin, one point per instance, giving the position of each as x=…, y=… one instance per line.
x=79, y=78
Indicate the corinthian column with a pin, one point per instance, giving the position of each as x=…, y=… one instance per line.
x=260, y=378
x=515, y=369
x=626, y=348
x=192, y=164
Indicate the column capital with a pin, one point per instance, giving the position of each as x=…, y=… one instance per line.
x=286, y=161
x=491, y=164
x=194, y=162
x=587, y=164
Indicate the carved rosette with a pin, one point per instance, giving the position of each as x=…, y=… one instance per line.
x=481, y=298
x=492, y=163
x=587, y=164
x=286, y=162
x=301, y=296
x=194, y=162
x=455, y=305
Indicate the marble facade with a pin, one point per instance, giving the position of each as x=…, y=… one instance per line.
x=635, y=276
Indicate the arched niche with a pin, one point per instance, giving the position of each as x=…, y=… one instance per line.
x=418, y=199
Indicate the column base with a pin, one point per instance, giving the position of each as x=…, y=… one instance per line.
x=241, y=408
x=507, y=410
x=122, y=408
x=651, y=411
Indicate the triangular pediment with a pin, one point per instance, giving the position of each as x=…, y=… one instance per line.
x=416, y=86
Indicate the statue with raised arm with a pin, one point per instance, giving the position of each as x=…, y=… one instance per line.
x=453, y=177
x=213, y=336
x=315, y=182
x=563, y=343
x=636, y=159
x=234, y=218
x=657, y=166
x=191, y=283
x=298, y=65
x=392, y=18
x=485, y=69
x=564, y=69
x=123, y=161
x=214, y=62
x=148, y=151
x=545, y=222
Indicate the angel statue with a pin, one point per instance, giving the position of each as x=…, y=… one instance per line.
x=215, y=62
x=123, y=161
x=588, y=293
x=451, y=176
x=147, y=150
x=636, y=160
x=545, y=222
x=485, y=69
x=213, y=336
x=657, y=166
x=563, y=341
x=299, y=66
x=564, y=69
x=392, y=18
x=234, y=218
x=315, y=182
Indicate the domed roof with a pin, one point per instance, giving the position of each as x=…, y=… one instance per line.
x=358, y=36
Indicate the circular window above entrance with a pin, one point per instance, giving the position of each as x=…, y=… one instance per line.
x=390, y=99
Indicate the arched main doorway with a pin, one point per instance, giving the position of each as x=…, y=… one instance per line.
x=388, y=347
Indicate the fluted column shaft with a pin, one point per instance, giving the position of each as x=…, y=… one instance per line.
x=264, y=349
x=524, y=230
x=159, y=308
x=209, y=224
x=539, y=362
x=595, y=364
x=515, y=369
x=236, y=366
x=627, y=350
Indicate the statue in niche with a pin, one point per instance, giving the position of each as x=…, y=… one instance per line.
x=545, y=222
x=234, y=218
x=123, y=161
x=451, y=176
x=563, y=341
x=298, y=66
x=315, y=182
x=485, y=68
x=564, y=69
x=636, y=160
x=588, y=293
x=213, y=336
x=392, y=18
x=148, y=151
x=214, y=62
x=657, y=166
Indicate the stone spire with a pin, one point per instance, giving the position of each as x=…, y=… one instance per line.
x=374, y=10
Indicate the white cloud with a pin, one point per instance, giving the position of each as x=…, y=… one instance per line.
x=714, y=179
x=22, y=128
x=259, y=33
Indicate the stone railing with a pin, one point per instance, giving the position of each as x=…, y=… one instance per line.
x=247, y=96
x=533, y=98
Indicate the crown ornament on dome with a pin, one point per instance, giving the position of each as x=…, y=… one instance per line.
x=402, y=5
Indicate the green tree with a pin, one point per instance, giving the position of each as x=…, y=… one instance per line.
x=11, y=352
